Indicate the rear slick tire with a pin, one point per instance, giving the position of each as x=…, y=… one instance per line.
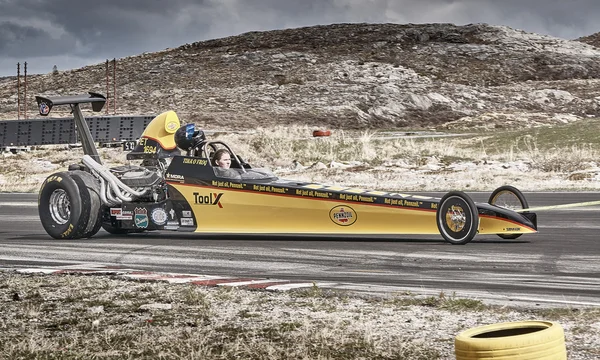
x=63, y=208
x=88, y=183
x=457, y=218
x=519, y=340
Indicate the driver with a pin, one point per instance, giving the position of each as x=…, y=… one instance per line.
x=222, y=159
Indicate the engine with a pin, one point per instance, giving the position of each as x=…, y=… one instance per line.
x=142, y=178
x=130, y=182
x=136, y=176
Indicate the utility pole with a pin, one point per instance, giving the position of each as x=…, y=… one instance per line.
x=114, y=86
x=107, y=91
x=19, y=91
x=25, y=95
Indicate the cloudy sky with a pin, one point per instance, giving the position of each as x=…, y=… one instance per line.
x=74, y=33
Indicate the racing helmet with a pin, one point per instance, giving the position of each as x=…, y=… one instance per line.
x=188, y=137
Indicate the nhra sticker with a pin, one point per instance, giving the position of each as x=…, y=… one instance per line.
x=141, y=217
x=343, y=215
x=159, y=216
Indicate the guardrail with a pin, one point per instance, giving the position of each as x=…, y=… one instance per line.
x=53, y=131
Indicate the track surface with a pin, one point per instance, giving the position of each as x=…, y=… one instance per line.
x=559, y=265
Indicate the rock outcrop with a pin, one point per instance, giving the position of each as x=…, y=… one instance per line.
x=350, y=76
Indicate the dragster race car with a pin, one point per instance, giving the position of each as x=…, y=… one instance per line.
x=177, y=187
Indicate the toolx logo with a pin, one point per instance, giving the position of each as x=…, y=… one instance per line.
x=211, y=199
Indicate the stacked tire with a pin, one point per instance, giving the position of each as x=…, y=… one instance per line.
x=540, y=340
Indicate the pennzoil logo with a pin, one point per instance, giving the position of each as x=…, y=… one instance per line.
x=210, y=199
x=343, y=215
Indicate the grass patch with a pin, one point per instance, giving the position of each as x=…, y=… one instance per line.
x=232, y=323
x=441, y=301
x=545, y=158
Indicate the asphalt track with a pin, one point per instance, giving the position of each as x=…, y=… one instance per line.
x=558, y=265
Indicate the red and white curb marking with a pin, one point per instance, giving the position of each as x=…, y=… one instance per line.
x=174, y=278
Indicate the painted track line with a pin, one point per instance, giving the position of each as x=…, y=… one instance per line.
x=175, y=278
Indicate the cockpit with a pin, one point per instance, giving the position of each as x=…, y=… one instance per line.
x=195, y=143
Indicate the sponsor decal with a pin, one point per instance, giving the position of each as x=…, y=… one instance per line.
x=186, y=213
x=67, y=232
x=44, y=109
x=210, y=199
x=343, y=215
x=171, y=126
x=172, y=214
x=159, y=216
x=195, y=161
x=141, y=217
x=175, y=177
x=169, y=227
x=116, y=212
x=54, y=178
x=513, y=229
x=187, y=222
x=125, y=215
x=172, y=225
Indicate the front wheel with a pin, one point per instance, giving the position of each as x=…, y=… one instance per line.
x=457, y=218
x=508, y=197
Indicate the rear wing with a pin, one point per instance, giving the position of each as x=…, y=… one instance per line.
x=97, y=100
x=45, y=104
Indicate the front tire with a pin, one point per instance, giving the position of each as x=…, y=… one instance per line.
x=63, y=208
x=508, y=197
x=457, y=218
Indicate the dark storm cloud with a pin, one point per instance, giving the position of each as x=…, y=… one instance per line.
x=74, y=33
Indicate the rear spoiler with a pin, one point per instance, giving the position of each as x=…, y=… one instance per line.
x=45, y=104
x=97, y=100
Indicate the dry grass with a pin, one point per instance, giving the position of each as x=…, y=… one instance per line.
x=367, y=159
x=103, y=317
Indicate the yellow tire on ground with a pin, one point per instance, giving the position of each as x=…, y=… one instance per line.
x=521, y=340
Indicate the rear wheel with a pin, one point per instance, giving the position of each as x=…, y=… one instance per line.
x=87, y=182
x=64, y=206
x=457, y=218
x=508, y=197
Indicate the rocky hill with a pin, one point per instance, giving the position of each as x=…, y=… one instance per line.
x=350, y=76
